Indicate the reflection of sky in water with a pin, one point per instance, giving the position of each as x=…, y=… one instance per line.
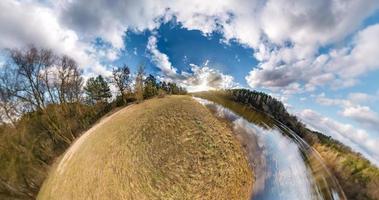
x=286, y=176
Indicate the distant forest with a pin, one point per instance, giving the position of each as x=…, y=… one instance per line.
x=45, y=104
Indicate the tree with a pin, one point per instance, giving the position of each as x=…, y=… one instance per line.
x=30, y=65
x=9, y=104
x=97, y=89
x=171, y=88
x=70, y=82
x=150, y=87
x=121, y=79
x=163, y=86
x=44, y=78
x=138, y=90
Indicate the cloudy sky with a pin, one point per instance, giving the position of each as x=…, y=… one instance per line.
x=321, y=58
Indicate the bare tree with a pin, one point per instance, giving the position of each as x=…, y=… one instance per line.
x=46, y=78
x=69, y=83
x=75, y=85
x=34, y=78
x=121, y=79
x=30, y=65
x=139, y=83
x=9, y=104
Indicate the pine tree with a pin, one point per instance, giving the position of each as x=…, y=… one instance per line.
x=97, y=89
x=150, y=87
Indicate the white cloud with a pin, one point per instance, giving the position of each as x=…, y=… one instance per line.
x=308, y=22
x=321, y=99
x=305, y=22
x=200, y=78
x=135, y=51
x=339, y=68
x=355, y=108
x=205, y=78
x=358, y=139
x=296, y=29
x=110, y=20
x=235, y=19
x=359, y=59
x=160, y=59
x=363, y=115
x=25, y=23
x=285, y=34
x=359, y=97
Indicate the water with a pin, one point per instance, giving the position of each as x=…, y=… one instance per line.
x=284, y=165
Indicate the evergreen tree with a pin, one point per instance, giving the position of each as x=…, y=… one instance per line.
x=150, y=87
x=97, y=89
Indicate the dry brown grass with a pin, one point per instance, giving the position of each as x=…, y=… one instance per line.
x=164, y=148
x=358, y=178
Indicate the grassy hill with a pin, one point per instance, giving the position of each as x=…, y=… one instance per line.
x=163, y=148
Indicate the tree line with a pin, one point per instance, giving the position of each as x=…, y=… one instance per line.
x=35, y=78
x=269, y=105
x=45, y=103
x=97, y=88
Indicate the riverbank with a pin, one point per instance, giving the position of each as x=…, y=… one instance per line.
x=284, y=167
x=358, y=178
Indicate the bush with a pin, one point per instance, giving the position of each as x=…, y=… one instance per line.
x=161, y=93
x=39, y=137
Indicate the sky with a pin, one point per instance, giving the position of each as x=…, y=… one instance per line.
x=320, y=58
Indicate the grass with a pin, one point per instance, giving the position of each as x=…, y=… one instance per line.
x=357, y=176
x=163, y=148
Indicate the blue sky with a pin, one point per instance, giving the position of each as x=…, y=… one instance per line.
x=184, y=47
x=319, y=58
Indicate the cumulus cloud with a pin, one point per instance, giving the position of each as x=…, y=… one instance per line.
x=358, y=139
x=321, y=99
x=307, y=22
x=200, y=78
x=363, y=115
x=25, y=23
x=110, y=20
x=360, y=58
x=285, y=35
x=205, y=78
x=359, y=97
x=235, y=19
x=338, y=68
x=354, y=107
x=160, y=59
x=294, y=32
x=354, y=98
